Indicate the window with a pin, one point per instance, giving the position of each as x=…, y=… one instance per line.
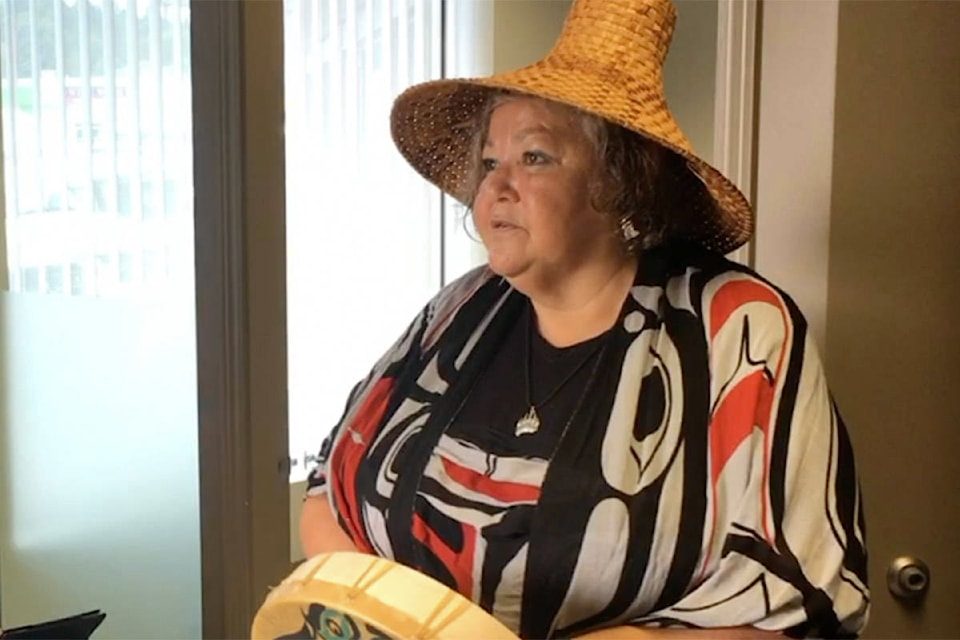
x=53, y=276
x=125, y=268
x=77, y=282
x=30, y=279
x=367, y=244
x=97, y=143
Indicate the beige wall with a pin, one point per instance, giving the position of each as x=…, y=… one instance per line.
x=690, y=72
x=297, y=490
x=524, y=30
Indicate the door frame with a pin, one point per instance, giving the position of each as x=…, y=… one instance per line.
x=735, y=102
x=239, y=193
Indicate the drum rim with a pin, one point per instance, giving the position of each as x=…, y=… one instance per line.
x=354, y=601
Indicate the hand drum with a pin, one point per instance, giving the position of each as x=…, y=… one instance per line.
x=355, y=596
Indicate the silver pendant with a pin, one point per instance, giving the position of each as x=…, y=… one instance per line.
x=528, y=423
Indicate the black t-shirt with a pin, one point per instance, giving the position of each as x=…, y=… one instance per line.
x=489, y=416
x=488, y=420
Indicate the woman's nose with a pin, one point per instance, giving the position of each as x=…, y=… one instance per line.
x=500, y=182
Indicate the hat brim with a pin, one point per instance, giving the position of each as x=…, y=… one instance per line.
x=433, y=125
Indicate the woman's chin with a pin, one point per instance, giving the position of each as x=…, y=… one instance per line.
x=505, y=267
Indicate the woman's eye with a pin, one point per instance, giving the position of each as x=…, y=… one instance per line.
x=534, y=157
x=489, y=164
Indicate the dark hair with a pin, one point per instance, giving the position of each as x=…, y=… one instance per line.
x=637, y=179
x=647, y=184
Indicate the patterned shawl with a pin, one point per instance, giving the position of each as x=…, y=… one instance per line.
x=707, y=481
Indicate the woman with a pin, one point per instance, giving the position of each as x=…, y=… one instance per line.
x=609, y=429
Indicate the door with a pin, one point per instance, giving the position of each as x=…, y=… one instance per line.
x=893, y=339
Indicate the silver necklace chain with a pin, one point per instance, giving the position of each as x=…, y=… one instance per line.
x=529, y=422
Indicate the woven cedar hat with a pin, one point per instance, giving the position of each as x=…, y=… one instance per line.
x=608, y=61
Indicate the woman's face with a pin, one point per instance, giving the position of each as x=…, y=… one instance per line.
x=533, y=209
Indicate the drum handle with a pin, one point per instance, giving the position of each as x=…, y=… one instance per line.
x=426, y=632
x=359, y=586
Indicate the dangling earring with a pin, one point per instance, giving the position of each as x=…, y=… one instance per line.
x=627, y=231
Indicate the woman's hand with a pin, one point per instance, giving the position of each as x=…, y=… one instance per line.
x=319, y=530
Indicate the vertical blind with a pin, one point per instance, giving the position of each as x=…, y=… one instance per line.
x=97, y=145
x=363, y=229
